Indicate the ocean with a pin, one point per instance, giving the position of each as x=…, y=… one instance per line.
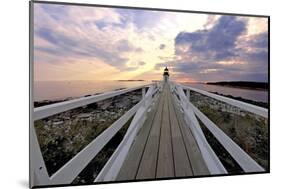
x=58, y=90
x=250, y=94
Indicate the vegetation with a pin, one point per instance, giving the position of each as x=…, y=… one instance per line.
x=242, y=84
x=88, y=175
x=63, y=135
x=249, y=131
x=229, y=163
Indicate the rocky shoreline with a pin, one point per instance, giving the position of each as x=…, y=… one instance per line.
x=37, y=104
x=257, y=103
x=63, y=135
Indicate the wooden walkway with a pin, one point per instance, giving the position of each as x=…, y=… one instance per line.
x=164, y=146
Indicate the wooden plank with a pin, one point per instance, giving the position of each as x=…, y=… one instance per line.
x=196, y=160
x=112, y=167
x=165, y=163
x=181, y=159
x=148, y=162
x=130, y=166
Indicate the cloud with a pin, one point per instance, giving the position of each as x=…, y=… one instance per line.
x=222, y=52
x=261, y=40
x=218, y=42
x=162, y=46
x=81, y=33
x=135, y=66
x=69, y=46
x=142, y=19
x=196, y=46
x=160, y=66
x=141, y=63
x=125, y=46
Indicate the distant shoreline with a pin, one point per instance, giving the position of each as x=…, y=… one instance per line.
x=254, y=102
x=125, y=80
x=45, y=102
x=257, y=103
x=242, y=84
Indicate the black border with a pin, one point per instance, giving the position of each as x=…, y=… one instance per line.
x=31, y=50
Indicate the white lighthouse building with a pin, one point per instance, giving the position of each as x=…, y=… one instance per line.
x=166, y=74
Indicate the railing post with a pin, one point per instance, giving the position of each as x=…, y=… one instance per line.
x=143, y=92
x=187, y=94
x=192, y=114
x=241, y=105
x=112, y=167
x=143, y=96
x=213, y=163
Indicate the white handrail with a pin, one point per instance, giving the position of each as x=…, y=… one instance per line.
x=213, y=163
x=245, y=106
x=39, y=171
x=240, y=156
x=73, y=167
x=52, y=109
x=113, y=165
x=67, y=173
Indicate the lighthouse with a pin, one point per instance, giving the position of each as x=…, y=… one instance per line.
x=166, y=74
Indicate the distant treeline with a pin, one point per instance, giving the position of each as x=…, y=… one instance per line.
x=242, y=84
x=257, y=103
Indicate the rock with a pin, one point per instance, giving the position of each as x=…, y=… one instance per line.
x=58, y=123
x=104, y=104
x=84, y=115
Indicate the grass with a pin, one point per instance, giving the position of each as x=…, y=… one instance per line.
x=60, y=143
x=247, y=130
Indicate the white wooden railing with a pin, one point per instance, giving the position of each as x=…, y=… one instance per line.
x=189, y=110
x=67, y=173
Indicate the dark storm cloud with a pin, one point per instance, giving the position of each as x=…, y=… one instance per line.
x=219, y=42
x=195, y=67
x=260, y=41
x=200, y=52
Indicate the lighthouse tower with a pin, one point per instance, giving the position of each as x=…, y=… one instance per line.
x=166, y=74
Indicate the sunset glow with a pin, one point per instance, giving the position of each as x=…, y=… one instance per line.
x=93, y=43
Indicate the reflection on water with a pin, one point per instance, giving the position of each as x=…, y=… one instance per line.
x=256, y=95
x=57, y=90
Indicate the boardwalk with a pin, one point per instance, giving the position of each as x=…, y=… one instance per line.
x=158, y=144
x=164, y=146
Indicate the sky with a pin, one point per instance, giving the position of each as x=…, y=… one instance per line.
x=94, y=43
